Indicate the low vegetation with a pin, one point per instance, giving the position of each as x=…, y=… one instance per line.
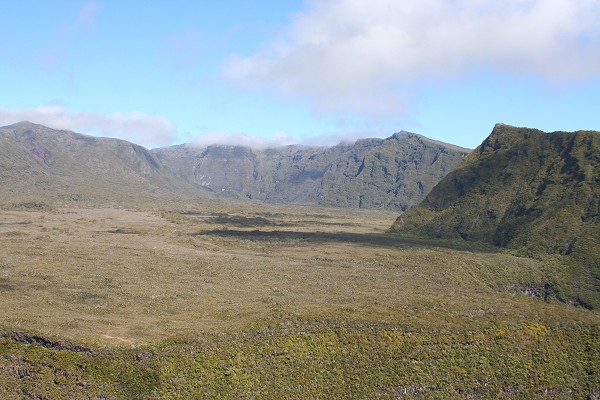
x=325, y=360
x=535, y=192
x=238, y=300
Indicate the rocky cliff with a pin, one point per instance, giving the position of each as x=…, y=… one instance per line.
x=392, y=173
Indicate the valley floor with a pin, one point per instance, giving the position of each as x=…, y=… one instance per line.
x=231, y=301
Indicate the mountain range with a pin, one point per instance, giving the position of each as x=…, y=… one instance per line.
x=392, y=173
x=534, y=192
x=39, y=164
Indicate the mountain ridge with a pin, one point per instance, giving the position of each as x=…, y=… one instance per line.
x=42, y=164
x=38, y=163
x=528, y=190
x=391, y=173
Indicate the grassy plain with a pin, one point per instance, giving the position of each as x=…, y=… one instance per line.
x=228, y=300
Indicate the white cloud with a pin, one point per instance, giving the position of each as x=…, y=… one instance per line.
x=350, y=137
x=244, y=139
x=279, y=139
x=358, y=56
x=138, y=127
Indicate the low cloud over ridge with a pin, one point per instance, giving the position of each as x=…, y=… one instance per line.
x=359, y=57
x=243, y=139
x=136, y=127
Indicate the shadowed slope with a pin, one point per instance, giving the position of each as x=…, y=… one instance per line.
x=524, y=189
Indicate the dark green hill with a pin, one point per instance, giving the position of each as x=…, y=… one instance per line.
x=392, y=173
x=528, y=190
x=41, y=165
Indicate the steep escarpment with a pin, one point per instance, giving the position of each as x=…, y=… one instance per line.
x=392, y=173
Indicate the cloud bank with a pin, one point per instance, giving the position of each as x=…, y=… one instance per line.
x=279, y=139
x=361, y=57
x=136, y=127
x=243, y=139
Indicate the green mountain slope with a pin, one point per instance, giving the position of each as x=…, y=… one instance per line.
x=529, y=190
x=39, y=164
x=392, y=173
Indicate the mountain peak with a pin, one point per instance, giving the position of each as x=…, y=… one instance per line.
x=392, y=173
x=403, y=134
x=23, y=123
x=27, y=125
x=53, y=165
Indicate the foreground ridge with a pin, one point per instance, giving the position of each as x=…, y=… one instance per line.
x=523, y=189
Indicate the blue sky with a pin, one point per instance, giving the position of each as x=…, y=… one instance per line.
x=315, y=72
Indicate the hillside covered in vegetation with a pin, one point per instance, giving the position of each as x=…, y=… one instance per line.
x=528, y=190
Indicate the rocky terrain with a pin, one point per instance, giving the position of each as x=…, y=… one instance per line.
x=39, y=164
x=392, y=173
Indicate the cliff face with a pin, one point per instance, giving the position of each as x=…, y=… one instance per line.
x=392, y=173
x=524, y=189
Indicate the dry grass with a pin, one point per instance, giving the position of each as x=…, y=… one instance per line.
x=132, y=277
x=221, y=301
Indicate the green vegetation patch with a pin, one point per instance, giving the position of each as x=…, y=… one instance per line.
x=527, y=190
x=325, y=360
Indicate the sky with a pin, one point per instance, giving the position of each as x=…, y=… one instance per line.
x=316, y=72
